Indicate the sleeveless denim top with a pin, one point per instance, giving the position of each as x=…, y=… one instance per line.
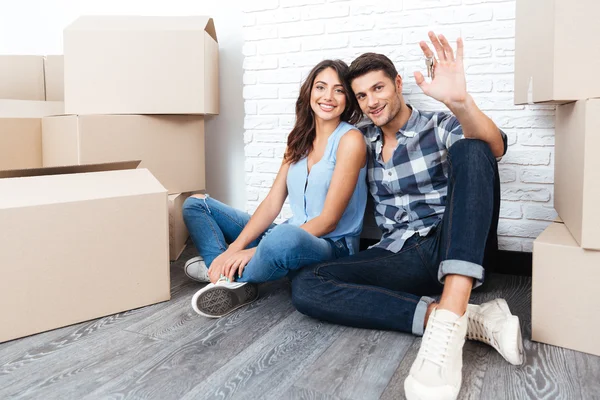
x=307, y=192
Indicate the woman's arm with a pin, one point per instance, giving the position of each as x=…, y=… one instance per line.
x=264, y=216
x=351, y=156
x=266, y=212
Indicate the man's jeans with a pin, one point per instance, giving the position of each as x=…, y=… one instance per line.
x=282, y=248
x=380, y=289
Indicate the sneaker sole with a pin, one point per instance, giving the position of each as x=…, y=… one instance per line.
x=415, y=390
x=220, y=301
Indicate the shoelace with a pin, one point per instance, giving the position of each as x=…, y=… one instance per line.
x=478, y=328
x=438, y=341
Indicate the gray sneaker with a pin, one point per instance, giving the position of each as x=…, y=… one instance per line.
x=216, y=300
x=196, y=270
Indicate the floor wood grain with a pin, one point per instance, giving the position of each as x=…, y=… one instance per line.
x=269, y=351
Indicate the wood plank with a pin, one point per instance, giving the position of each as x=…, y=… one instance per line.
x=270, y=366
x=296, y=393
x=75, y=371
x=209, y=345
x=177, y=319
x=358, y=365
x=549, y=373
x=588, y=371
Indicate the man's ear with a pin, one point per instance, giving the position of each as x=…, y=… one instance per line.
x=398, y=82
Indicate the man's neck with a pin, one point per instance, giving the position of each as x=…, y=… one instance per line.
x=391, y=128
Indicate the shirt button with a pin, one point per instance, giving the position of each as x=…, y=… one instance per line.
x=390, y=173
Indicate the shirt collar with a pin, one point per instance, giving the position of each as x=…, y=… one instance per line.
x=406, y=128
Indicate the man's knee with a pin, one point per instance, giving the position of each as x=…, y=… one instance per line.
x=471, y=149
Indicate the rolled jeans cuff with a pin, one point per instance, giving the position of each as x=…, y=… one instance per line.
x=460, y=267
x=419, y=317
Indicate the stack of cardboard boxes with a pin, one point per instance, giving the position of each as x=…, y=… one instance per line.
x=556, y=60
x=89, y=234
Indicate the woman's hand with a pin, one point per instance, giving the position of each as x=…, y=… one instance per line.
x=236, y=263
x=217, y=266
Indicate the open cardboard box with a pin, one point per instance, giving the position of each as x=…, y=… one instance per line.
x=78, y=243
x=170, y=146
x=141, y=65
x=21, y=131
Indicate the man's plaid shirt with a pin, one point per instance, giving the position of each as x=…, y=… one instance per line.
x=410, y=188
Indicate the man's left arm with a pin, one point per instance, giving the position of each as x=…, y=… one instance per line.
x=476, y=125
x=449, y=86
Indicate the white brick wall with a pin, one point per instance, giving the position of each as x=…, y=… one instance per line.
x=284, y=39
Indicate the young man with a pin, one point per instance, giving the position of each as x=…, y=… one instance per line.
x=434, y=180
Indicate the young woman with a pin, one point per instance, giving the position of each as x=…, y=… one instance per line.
x=322, y=173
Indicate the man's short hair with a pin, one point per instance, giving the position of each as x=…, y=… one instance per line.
x=369, y=62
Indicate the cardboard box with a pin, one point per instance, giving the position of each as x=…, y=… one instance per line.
x=556, y=51
x=178, y=233
x=141, y=65
x=564, y=304
x=22, y=77
x=54, y=73
x=21, y=132
x=577, y=170
x=171, y=147
x=78, y=245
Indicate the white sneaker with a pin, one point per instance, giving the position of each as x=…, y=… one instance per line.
x=436, y=373
x=195, y=269
x=493, y=324
x=216, y=300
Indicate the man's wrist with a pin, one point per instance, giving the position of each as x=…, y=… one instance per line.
x=461, y=106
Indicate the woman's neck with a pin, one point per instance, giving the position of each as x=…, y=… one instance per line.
x=325, y=128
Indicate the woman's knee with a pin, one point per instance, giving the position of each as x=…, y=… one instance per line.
x=192, y=205
x=283, y=239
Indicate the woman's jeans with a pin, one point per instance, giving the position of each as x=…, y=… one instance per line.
x=280, y=249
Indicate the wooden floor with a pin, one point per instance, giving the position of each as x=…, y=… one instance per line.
x=269, y=351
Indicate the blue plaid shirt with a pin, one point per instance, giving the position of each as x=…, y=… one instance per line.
x=410, y=188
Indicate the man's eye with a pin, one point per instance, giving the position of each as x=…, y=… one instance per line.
x=378, y=88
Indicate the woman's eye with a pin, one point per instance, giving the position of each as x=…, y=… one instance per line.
x=339, y=91
x=320, y=87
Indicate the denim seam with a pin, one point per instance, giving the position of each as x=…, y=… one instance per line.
x=362, y=287
x=426, y=264
x=450, y=213
x=212, y=228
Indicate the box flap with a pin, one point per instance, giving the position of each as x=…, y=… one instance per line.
x=30, y=108
x=70, y=169
x=129, y=23
x=557, y=234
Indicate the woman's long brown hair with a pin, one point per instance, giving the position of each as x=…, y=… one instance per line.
x=300, y=139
